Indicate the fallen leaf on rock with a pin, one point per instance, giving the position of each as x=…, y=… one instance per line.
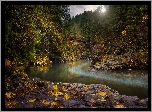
x=64, y=89
x=55, y=93
x=102, y=93
x=66, y=97
x=86, y=86
x=83, y=92
x=8, y=95
x=91, y=100
x=44, y=101
x=53, y=104
x=119, y=106
x=50, y=92
x=27, y=84
x=55, y=98
x=74, y=92
x=55, y=87
x=32, y=100
x=61, y=106
x=9, y=104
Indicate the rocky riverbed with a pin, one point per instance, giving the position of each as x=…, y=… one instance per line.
x=37, y=93
x=117, y=62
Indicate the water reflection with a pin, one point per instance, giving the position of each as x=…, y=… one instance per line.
x=128, y=82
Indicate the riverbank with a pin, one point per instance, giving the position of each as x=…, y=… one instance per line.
x=136, y=60
x=37, y=93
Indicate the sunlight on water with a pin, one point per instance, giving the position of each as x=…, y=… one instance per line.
x=127, y=82
x=137, y=79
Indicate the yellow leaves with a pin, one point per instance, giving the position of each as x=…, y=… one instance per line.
x=42, y=61
x=123, y=32
x=55, y=98
x=53, y=104
x=74, y=92
x=9, y=104
x=143, y=53
x=91, y=100
x=86, y=86
x=55, y=87
x=44, y=101
x=102, y=93
x=50, y=61
x=66, y=97
x=83, y=92
x=32, y=100
x=43, y=68
x=145, y=17
x=28, y=84
x=50, y=92
x=24, y=76
x=9, y=94
x=61, y=106
x=119, y=106
x=55, y=93
x=64, y=89
x=7, y=62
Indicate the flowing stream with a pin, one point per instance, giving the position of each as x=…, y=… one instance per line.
x=126, y=82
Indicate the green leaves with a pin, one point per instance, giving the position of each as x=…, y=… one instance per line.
x=123, y=29
x=33, y=30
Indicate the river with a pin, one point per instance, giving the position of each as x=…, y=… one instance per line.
x=126, y=82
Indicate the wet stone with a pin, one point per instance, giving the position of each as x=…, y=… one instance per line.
x=88, y=104
x=82, y=106
x=134, y=106
x=81, y=96
x=71, y=103
x=98, y=103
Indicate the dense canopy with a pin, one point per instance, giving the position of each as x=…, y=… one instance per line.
x=38, y=35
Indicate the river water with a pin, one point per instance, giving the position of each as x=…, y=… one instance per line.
x=126, y=82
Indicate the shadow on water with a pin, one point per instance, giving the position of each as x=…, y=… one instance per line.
x=128, y=82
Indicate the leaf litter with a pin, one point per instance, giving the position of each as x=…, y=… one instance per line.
x=69, y=95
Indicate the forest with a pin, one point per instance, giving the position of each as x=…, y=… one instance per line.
x=42, y=35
